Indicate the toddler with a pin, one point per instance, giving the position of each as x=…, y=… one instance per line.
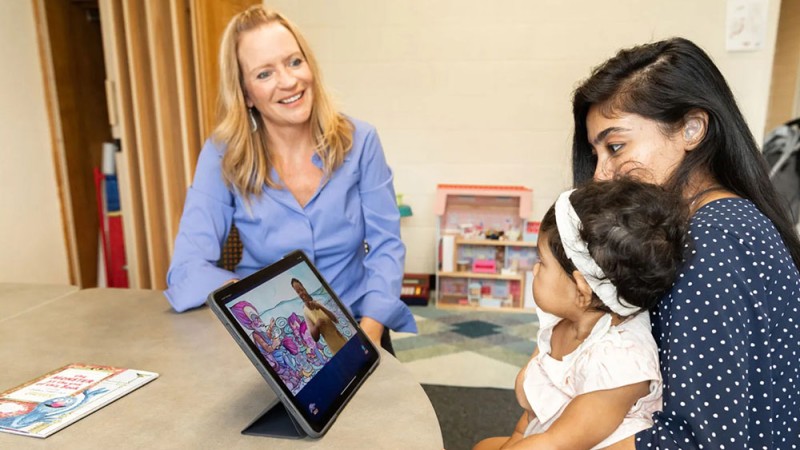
x=608, y=251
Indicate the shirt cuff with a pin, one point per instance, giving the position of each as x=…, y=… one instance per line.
x=191, y=292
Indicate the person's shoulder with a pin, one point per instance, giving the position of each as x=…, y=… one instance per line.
x=732, y=213
x=214, y=147
x=625, y=354
x=734, y=219
x=636, y=332
x=360, y=127
x=364, y=133
x=629, y=339
x=639, y=323
x=211, y=153
x=366, y=143
x=208, y=171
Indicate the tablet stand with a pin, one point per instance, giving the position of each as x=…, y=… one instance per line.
x=275, y=421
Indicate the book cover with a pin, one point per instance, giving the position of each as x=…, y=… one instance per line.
x=49, y=403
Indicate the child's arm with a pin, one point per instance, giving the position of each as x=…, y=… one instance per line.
x=519, y=390
x=519, y=430
x=502, y=442
x=522, y=399
x=587, y=419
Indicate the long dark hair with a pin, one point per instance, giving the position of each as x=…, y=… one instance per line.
x=665, y=81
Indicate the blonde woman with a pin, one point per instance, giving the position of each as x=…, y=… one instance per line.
x=290, y=172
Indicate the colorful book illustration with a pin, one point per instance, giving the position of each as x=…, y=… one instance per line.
x=49, y=403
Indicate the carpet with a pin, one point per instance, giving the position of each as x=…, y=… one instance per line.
x=468, y=414
x=467, y=347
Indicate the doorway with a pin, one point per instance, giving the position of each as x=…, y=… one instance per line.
x=784, y=97
x=71, y=46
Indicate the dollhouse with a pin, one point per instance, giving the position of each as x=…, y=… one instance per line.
x=486, y=249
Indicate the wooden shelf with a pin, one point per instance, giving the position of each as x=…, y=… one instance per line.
x=509, y=309
x=484, y=276
x=495, y=243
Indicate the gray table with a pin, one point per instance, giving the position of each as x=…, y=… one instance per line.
x=207, y=390
x=16, y=298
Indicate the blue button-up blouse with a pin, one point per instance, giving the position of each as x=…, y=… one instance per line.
x=355, y=204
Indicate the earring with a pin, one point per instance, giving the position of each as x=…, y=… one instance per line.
x=253, y=123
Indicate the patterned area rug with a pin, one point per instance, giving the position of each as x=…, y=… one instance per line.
x=467, y=348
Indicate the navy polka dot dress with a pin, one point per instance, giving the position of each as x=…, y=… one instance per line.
x=729, y=338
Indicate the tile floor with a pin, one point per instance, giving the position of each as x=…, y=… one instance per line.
x=467, y=348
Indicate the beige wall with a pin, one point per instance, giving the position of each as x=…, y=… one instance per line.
x=32, y=247
x=470, y=91
x=462, y=91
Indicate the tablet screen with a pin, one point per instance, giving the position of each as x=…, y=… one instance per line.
x=302, y=334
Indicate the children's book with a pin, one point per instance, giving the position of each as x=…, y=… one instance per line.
x=49, y=403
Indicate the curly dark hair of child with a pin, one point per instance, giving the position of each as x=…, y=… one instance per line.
x=635, y=232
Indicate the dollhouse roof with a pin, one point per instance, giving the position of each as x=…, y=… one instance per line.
x=445, y=190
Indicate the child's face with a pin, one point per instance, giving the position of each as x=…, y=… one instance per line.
x=553, y=289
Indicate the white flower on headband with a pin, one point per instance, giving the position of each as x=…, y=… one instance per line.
x=569, y=225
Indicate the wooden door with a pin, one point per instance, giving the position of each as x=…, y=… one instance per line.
x=784, y=97
x=163, y=77
x=143, y=72
x=210, y=19
x=71, y=50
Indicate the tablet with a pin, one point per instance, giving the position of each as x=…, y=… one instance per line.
x=300, y=337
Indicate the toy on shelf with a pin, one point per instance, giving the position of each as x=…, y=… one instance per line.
x=531, y=233
x=484, y=266
x=405, y=210
x=481, y=259
x=415, y=289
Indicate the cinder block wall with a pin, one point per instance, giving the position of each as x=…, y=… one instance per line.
x=32, y=245
x=470, y=91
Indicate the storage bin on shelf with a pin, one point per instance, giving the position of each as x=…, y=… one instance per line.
x=481, y=261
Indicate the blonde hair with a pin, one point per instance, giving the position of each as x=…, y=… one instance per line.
x=246, y=163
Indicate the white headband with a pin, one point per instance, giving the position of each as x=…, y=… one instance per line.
x=569, y=225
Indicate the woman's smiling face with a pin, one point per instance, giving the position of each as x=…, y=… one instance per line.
x=276, y=76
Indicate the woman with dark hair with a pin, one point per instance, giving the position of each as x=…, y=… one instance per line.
x=728, y=329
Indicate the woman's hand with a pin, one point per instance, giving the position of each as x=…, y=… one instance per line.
x=373, y=329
